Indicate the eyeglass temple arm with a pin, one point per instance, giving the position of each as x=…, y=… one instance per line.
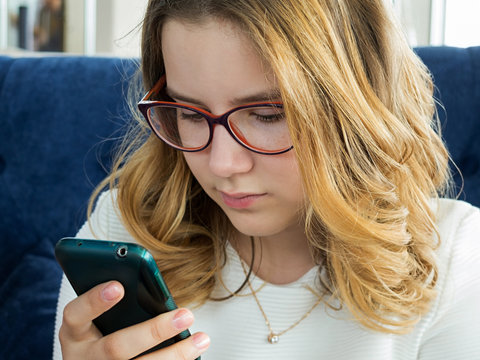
x=156, y=88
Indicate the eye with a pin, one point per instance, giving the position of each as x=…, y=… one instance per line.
x=187, y=114
x=268, y=115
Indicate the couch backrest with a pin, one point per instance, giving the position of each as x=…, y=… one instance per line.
x=456, y=73
x=56, y=114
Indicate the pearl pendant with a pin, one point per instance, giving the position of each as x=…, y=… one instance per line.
x=273, y=339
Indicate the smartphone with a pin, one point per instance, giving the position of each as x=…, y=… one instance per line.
x=87, y=263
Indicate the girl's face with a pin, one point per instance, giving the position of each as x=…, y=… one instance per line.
x=214, y=67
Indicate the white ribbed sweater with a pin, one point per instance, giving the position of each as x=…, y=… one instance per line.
x=451, y=330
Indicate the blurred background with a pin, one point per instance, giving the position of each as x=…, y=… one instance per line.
x=88, y=27
x=112, y=27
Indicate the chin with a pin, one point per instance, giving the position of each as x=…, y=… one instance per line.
x=257, y=228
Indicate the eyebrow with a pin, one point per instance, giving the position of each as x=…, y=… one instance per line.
x=264, y=96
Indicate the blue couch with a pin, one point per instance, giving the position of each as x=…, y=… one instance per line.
x=59, y=117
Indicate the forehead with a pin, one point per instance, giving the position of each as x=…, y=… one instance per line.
x=212, y=59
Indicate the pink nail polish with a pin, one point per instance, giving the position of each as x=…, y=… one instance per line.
x=182, y=319
x=201, y=341
x=111, y=292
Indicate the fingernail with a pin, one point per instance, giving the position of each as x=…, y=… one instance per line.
x=111, y=292
x=201, y=341
x=182, y=319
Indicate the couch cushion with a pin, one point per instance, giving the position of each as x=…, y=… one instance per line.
x=28, y=299
x=56, y=114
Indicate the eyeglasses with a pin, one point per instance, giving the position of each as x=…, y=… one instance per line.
x=260, y=127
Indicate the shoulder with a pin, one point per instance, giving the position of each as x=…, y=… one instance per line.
x=458, y=225
x=453, y=324
x=105, y=222
x=453, y=215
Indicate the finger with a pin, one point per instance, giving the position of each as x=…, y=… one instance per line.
x=136, y=339
x=79, y=313
x=190, y=348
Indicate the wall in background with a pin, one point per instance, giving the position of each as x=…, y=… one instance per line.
x=90, y=27
x=119, y=27
x=415, y=18
x=105, y=27
x=440, y=22
x=462, y=24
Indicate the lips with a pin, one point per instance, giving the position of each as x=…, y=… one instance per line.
x=240, y=200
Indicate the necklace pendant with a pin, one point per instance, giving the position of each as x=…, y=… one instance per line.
x=273, y=338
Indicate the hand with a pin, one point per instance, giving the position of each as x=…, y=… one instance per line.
x=80, y=339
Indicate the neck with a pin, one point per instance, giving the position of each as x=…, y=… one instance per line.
x=280, y=259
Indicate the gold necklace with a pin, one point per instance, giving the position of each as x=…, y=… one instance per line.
x=237, y=294
x=274, y=337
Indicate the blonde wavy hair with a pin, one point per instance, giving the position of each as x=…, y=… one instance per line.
x=360, y=106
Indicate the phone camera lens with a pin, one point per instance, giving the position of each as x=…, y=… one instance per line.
x=122, y=251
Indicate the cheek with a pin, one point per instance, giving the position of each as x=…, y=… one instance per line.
x=285, y=177
x=197, y=163
x=285, y=168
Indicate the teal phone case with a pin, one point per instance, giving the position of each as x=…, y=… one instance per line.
x=87, y=263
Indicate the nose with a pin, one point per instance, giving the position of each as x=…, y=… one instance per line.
x=227, y=156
